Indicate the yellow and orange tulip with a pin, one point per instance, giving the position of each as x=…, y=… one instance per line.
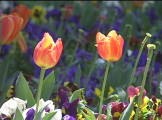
x=110, y=47
x=10, y=27
x=23, y=12
x=47, y=52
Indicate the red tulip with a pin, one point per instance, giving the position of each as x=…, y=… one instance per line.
x=110, y=47
x=10, y=27
x=23, y=12
x=47, y=52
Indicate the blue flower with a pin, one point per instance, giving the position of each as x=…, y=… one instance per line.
x=30, y=114
x=152, y=15
x=68, y=117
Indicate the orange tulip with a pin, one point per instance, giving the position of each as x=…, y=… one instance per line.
x=110, y=47
x=23, y=12
x=10, y=27
x=137, y=3
x=47, y=52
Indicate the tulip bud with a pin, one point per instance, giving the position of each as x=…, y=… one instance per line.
x=47, y=52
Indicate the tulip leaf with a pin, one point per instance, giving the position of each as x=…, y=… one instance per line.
x=127, y=112
x=78, y=76
x=4, y=68
x=5, y=90
x=76, y=94
x=121, y=94
x=23, y=91
x=49, y=116
x=38, y=115
x=18, y=115
x=48, y=85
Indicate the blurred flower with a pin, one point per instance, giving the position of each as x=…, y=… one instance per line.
x=54, y=13
x=152, y=15
x=23, y=12
x=132, y=91
x=110, y=47
x=69, y=10
x=10, y=27
x=137, y=3
x=38, y=13
x=13, y=23
x=47, y=52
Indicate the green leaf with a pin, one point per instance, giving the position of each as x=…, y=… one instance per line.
x=48, y=85
x=109, y=116
x=49, y=116
x=85, y=115
x=4, y=68
x=38, y=115
x=5, y=90
x=78, y=76
x=76, y=94
x=23, y=92
x=91, y=114
x=127, y=112
x=18, y=115
x=121, y=94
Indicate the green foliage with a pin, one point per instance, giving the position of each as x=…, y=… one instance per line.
x=23, y=91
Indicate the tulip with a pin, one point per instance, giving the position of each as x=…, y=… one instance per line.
x=137, y=3
x=109, y=47
x=47, y=52
x=23, y=12
x=10, y=27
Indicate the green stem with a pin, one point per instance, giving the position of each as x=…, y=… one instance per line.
x=150, y=53
x=152, y=67
x=41, y=77
x=157, y=88
x=129, y=27
x=138, y=57
x=103, y=90
x=73, y=55
x=90, y=72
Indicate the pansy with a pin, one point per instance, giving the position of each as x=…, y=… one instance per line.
x=8, y=109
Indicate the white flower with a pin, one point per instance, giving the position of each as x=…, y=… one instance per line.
x=21, y=104
x=9, y=107
x=49, y=109
x=58, y=115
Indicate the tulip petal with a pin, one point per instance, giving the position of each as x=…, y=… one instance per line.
x=104, y=48
x=114, y=49
x=22, y=44
x=99, y=37
x=18, y=25
x=113, y=34
x=7, y=27
x=23, y=12
x=47, y=40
